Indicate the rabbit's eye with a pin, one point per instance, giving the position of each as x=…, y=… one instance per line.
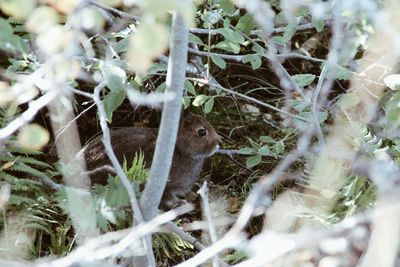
x=201, y=132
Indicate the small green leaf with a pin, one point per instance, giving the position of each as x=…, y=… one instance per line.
x=218, y=61
x=392, y=113
x=231, y=35
x=258, y=49
x=349, y=100
x=189, y=87
x=33, y=136
x=208, y=106
x=266, y=139
x=279, y=40
x=199, y=100
x=195, y=39
x=253, y=161
x=228, y=46
x=254, y=59
x=302, y=11
x=227, y=6
x=246, y=23
x=161, y=88
x=157, y=68
x=298, y=104
x=210, y=18
x=115, y=77
x=303, y=80
x=112, y=101
x=279, y=147
x=264, y=151
x=318, y=24
x=247, y=151
x=290, y=29
x=186, y=102
x=340, y=72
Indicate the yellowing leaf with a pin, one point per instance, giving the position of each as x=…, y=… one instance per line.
x=91, y=19
x=54, y=40
x=42, y=19
x=33, y=136
x=150, y=41
x=19, y=9
x=63, y=6
x=199, y=100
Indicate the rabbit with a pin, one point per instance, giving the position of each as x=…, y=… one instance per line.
x=196, y=140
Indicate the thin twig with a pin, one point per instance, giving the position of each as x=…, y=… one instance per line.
x=137, y=216
x=251, y=99
x=203, y=192
x=29, y=114
x=301, y=27
x=239, y=58
x=114, y=10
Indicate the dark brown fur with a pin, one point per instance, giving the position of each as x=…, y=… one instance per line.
x=190, y=152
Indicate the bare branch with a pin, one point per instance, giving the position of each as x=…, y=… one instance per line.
x=169, y=121
x=203, y=191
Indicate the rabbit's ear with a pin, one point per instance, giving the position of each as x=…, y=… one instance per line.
x=186, y=114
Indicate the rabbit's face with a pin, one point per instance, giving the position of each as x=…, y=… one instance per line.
x=197, y=137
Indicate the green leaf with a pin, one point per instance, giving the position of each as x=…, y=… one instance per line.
x=349, y=100
x=230, y=35
x=161, y=88
x=318, y=24
x=189, y=87
x=303, y=80
x=199, y=100
x=186, y=102
x=247, y=151
x=254, y=59
x=340, y=72
x=228, y=46
x=298, y=104
x=218, y=61
x=246, y=23
x=112, y=101
x=210, y=18
x=258, y=49
x=195, y=39
x=253, y=161
x=266, y=139
x=278, y=40
x=264, y=151
x=115, y=77
x=6, y=29
x=302, y=11
x=157, y=68
x=208, y=106
x=226, y=5
x=393, y=110
x=279, y=147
